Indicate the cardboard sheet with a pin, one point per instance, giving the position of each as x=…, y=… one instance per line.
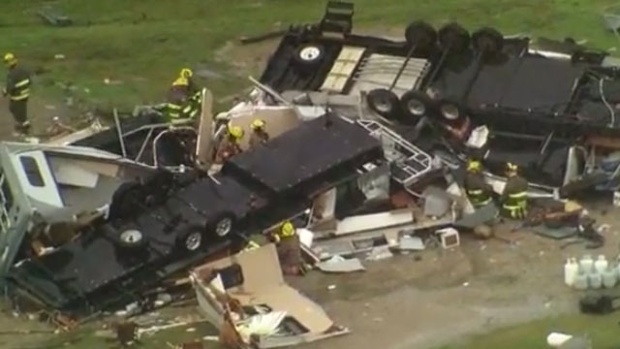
x=262, y=286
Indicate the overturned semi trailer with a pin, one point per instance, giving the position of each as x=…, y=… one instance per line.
x=436, y=87
x=155, y=228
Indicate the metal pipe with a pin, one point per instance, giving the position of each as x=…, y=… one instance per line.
x=402, y=67
x=119, y=132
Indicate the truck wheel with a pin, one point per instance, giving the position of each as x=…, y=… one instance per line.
x=222, y=225
x=190, y=239
x=415, y=104
x=449, y=111
x=309, y=55
x=160, y=185
x=383, y=102
x=421, y=35
x=454, y=38
x=126, y=199
x=488, y=41
x=132, y=239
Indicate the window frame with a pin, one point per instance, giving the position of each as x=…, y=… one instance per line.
x=38, y=181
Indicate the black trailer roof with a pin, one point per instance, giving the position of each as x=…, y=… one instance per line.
x=305, y=153
x=91, y=262
x=518, y=82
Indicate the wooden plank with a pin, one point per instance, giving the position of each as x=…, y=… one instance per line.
x=343, y=68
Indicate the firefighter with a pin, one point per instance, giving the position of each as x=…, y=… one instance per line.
x=289, y=252
x=183, y=98
x=479, y=192
x=188, y=75
x=259, y=135
x=514, y=196
x=177, y=96
x=230, y=146
x=18, y=90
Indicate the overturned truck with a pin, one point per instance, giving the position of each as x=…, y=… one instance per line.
x=553, y=112
x=147, y=223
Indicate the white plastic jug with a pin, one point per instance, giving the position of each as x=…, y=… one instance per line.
x=556, y=339
x=581, y=281
x=610, y=278
x=586, y=264
x=601, y=264
x=571, y=268
x=595, y=280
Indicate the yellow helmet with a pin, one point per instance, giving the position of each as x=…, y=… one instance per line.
x=287, y=229
x=511, y=168
x=235, y=131
x=186, y=73
x=257, y=124
x=474, y=165
x=10, y=59
x=180, y=81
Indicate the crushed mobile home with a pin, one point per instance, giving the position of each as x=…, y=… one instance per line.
x=157, y=225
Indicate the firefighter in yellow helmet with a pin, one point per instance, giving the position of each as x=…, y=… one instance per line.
x=259, y=134
x=289, y=252
x=17, y=89
x=188, y=75
x=514, y=196
x=230, y=146
x=479, y=192
x=183, y=97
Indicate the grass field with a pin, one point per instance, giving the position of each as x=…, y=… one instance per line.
x=139, y=45
x=603, y=331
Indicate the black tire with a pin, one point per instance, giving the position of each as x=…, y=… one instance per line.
x=222, y=225
x=449, y=111
x=131, y=239
x=454, y=38
x=383, y=102
x=126, y=200
x=309, y=55
x=415, y=104
x=488, y=41
x=421, y=35
x=160, y=185
x=191, y=239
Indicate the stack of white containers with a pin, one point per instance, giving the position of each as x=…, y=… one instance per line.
x=588, y=273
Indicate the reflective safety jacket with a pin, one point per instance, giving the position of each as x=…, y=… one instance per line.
x=514, y=197
x=17, y=84
x=478, y=190
x=181, y=105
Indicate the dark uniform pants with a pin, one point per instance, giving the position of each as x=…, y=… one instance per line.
x=19, y=110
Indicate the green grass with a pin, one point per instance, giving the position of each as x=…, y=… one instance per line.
x=143, y=43
x=602, y=330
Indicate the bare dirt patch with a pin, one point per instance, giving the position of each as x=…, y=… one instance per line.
x=446, y=295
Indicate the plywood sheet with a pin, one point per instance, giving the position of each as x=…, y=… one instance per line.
x=204, y=144
x=343, y=68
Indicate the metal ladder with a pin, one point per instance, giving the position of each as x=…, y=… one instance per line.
x=407, y=162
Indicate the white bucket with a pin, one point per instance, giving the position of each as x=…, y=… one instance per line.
x=556, y=339
x=617, y=198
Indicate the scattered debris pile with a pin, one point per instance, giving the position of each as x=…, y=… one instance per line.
x=247, y=299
